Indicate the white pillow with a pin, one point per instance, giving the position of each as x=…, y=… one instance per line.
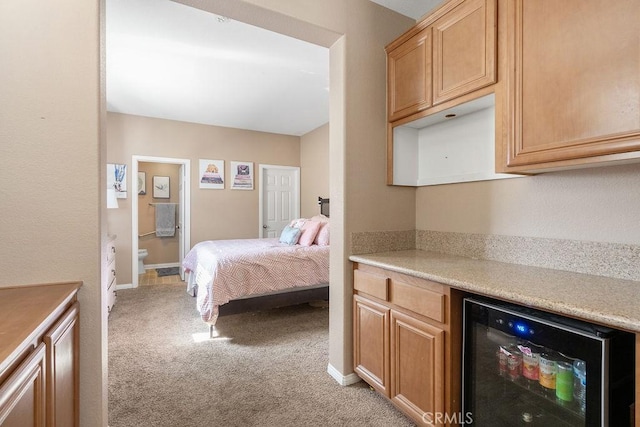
x=297, y=223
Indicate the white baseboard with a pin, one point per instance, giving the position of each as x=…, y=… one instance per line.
x=124, y=286
x=343, y=380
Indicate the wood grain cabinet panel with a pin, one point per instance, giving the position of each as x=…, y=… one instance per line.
x=63, y=370
x=371, y=343
x=39, y=355
x=573, y=82
x=22, y=395
x=408, y=348
x=372, y=284
x=464, y=50
x=409, y=76
x=417, y=366
x=423, y=301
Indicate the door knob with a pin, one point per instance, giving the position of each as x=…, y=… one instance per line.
x=264, y=226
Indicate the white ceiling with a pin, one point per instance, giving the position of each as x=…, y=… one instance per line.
x=415, y=9
x=171, y=61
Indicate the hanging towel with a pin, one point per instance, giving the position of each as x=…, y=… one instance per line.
x=165, y=219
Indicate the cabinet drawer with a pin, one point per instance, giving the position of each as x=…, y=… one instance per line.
x=112, y=275
x=111, y=296
x=372, y=284
x=111, y=252
x=422, y=301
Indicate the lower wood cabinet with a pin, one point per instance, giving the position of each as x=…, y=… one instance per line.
x=371, y=339
x=22, y=401
x=62, y=369
x=39, y=355
x=407, y=341
x=417, y=366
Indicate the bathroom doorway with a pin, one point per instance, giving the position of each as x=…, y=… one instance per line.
x=165, y=184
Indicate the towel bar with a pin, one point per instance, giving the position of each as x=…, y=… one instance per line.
x=153, y=232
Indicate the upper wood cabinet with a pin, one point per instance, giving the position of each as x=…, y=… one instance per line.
x=409, y=76
x=572, y=83
x=464, y=50
x=450, y=53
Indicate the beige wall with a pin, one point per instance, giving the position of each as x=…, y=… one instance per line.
x=215, y=214
x=53, y=177
x=53, y=91
x=595, y=204
x=162, y=250
x=314, y=170
x=356, y=32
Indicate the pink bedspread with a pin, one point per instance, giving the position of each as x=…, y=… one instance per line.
x=230, y=269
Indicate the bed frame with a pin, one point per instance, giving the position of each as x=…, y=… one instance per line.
x=267, y=302
x=270, y=301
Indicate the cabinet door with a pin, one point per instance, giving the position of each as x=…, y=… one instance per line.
x=409, y=76
x=417, y=367
x=371, y=343
x=62, y=343
x=573, y=81
x=464, y=50
x=22, y=394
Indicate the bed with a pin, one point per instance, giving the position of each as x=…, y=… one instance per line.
x=266, y=271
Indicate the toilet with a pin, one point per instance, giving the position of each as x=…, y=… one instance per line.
x=142, y=254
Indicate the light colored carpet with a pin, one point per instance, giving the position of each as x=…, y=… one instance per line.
x=265, y=369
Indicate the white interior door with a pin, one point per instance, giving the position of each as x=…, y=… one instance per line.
x=279, y=198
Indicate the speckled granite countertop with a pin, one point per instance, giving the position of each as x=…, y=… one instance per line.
x=612, y=302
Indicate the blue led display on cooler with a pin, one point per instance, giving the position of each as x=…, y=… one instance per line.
x=521, y=328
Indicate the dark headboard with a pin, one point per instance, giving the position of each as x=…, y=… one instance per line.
x=324, y=206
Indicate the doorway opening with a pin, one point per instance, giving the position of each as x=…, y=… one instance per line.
x=155, y=186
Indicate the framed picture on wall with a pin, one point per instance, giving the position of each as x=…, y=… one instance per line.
x=117, y=179
x=142, y=183
x=241, y=175
x=161, y=187
x=211, y=174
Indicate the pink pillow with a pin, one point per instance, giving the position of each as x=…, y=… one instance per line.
x=309, y=231
x=322, y=238
x=320, y=218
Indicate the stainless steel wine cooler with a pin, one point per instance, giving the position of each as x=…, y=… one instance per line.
x=525, y=367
